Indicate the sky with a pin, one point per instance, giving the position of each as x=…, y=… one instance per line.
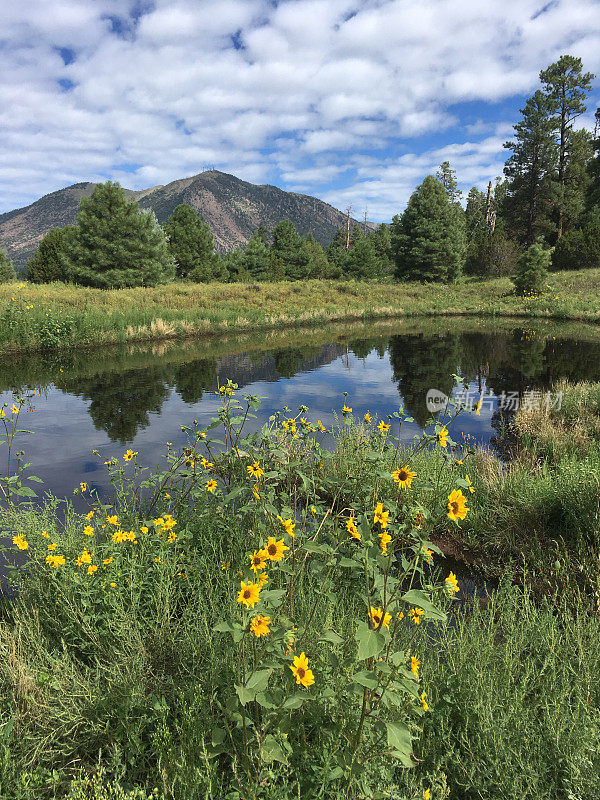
x=353, y=102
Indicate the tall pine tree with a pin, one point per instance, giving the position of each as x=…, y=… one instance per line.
x=191, y=243
x=117, y=243
x=428, y=241
x=565, y=91
x=530, y=170
x=255, y=259
x=287, y=252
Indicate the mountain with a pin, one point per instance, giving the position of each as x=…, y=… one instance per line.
x=233, y=208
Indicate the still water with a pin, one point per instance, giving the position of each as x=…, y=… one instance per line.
x=111, y=399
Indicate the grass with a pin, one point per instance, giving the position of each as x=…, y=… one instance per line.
x=36, y=317
x=116, y=692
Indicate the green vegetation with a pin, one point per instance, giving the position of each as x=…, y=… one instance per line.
x=58, y=315
x=132, y=668
x=7, y=273
x=191, y=244
x=532, y=271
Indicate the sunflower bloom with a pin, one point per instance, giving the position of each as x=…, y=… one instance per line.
x=383, y=428
x=91, y=569
x=367, y=418
x=443, y=437
x=55, y=561
x=427, y=794
x=113, y=520
x=378, y=618
x=300, y=671
x=249, y=594
x=403, y=476
x=90, y=514
x=380, y=516
x=457, y=505
x=259, y=625
x=468, y=480
x=129, y=455
x=83, y=486
x=262, y=579
x=384, y=540
x=427, y=555
x=452, y=584
x=88, y=530
x=21, y=542
x=52, y=546
x=258, y=560
x=352, y=529
x=288, y=526
x=275, y=549
x=255, y=471
x=211, y=485
x=414, y=666
x=424, y=702
x=346, y=410
x=415, y=614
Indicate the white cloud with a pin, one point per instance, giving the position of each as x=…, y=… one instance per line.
x=313, y=91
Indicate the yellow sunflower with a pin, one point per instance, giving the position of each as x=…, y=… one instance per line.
x=380, y=516
x=403, y=476
x=249, y=594
x=258, y=560
x=304, y=676
x=378, y=618
x=255, y=471
x=457, y=505
x=275, y=549
x=352, y=529
x=259, y=625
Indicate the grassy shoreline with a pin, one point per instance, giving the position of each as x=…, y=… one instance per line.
x=39, y=317
x=119, y=668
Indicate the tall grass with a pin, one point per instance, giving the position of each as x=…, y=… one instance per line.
x=56, y=315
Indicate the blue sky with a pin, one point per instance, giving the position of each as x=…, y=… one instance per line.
x=354, y=102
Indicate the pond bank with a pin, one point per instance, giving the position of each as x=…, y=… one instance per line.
x=34, y=317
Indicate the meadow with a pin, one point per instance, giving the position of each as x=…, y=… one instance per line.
x=269, y=618
x=46, y=316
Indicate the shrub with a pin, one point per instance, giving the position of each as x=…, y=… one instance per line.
x=532, y=270
x=7, y=272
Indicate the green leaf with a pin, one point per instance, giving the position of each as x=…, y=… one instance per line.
x=273, y=596
x=370, y=642
x=223, y=627
x=294, y=701
x=416, y=597
x=259, y=680
x=400, y=743
x=349, y=562
x=272, y=750
x=331, y=636
x=365, y=678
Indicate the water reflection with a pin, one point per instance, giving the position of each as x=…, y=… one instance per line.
x=141, y=396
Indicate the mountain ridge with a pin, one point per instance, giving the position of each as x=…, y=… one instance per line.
x=233, y=209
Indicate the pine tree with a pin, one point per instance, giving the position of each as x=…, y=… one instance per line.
x=7, y=272
x=191, y=243
x=255, y=258
x=579, y=248
x=447, y=177
x=361, y=260
x=530, y=170
x=532, y=270
x=428, y=241
x=382, y=242
x=287, y=252
x=565, y=90
x=336, y=250
x=318, y=265
x=593, y=198
x=53, y=260
x=118, y=244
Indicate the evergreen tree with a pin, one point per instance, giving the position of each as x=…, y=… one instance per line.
x=256, y=258
x=447, y=177
x=361, y=260
x=579, y=248
x=530, y=171
x=336, y=250
x=53, y=259
x=234, y=264
x=382, y=243
x=318, y=265
x=593, y=198
x=475, y=210
x=263, y=233
x=565, y=90
x=287, y=252
x=7, y=272
x=191, y=243
x=532, y=270
x=118, y=244
x=428, y=241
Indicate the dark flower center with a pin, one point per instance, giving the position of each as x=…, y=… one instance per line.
x=301, y=672
x=403, y=475
x=272, y=550
x=455, y=507
x=246, y=594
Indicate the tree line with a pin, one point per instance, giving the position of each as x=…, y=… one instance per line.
x=544, y=211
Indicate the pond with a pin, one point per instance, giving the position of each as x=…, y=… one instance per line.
x=139, y=396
